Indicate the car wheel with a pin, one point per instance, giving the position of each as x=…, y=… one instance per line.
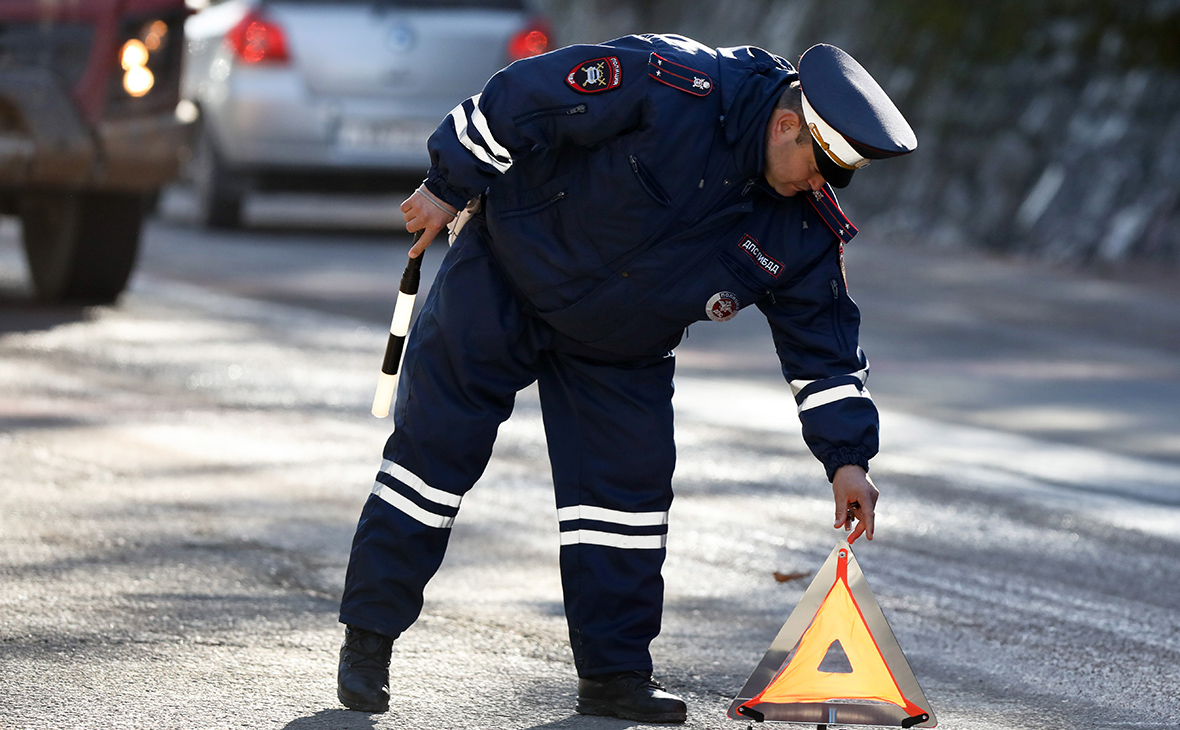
x=81, y=247
x=219, y=196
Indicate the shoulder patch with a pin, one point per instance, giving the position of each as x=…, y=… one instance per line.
x=679, y=76
x=829, y=211
x=596, y=75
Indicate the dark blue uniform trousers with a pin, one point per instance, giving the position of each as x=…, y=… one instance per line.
x=608, y=423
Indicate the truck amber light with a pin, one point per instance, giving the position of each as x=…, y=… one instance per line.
x=532, y=41
x=255, y=40
x=134, y=53
x=156, y=32
x=137, y=79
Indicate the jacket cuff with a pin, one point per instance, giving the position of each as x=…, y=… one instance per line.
x=843, y=456
x=435, y=183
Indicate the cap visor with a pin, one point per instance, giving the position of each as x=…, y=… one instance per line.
x=836, y=176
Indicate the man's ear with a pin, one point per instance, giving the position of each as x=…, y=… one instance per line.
x=785, y=124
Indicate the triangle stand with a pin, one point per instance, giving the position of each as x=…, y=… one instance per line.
x=835, y=660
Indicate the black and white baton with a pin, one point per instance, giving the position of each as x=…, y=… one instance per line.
x=395, y=347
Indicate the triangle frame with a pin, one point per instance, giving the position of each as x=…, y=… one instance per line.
x=769, y=693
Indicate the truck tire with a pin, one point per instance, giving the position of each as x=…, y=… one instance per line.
x=81, y=247
x=219, y=196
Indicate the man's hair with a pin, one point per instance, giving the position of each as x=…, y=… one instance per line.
x=792, y=100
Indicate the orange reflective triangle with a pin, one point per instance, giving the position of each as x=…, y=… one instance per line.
x=837, y=619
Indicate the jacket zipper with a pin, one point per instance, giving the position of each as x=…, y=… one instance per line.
x=836, y=314
x=647, y=183
x=535, y=207
x=551, y=112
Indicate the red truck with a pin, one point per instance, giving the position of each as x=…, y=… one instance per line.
x=88, y=134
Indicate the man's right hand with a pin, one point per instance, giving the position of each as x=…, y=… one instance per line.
x=427, y=214
x=856, y=499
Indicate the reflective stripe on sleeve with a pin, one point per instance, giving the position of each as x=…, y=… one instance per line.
x=481, y=125
x=798, y=385
x=831, y=395
x=482, y=153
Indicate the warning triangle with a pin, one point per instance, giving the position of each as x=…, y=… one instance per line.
x=835, y=660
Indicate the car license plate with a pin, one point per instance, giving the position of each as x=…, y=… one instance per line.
x=384, y=135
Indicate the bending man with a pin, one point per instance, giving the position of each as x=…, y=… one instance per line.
x=627, y=190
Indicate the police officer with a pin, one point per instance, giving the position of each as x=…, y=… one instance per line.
x=628, y=190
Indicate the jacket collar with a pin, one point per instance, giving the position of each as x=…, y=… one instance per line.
x=751, y=81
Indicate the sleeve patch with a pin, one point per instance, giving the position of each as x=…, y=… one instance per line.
x=679, y=76
x=596, y=75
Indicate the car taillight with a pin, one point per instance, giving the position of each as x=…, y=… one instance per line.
x=256, y=40
x=534, y=40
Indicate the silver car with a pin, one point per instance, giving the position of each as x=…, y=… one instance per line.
x=335, y=94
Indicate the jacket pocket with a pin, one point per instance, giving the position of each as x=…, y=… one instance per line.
x=535, y=207
x=648, y=183
x=557, y=111
x=746, y=278
x=535, y=237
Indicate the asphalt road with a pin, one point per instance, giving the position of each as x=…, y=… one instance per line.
x=180, y=476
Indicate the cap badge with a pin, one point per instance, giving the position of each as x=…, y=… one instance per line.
x=722, y=306
x=594, y=76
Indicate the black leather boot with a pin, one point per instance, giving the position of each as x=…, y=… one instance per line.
x=362, y=681
x=629, y=695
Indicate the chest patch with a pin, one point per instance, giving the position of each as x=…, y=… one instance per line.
x=770, y=265
x=596, y=75
x=722, y=306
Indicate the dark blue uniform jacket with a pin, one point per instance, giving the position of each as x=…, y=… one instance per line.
x=625, y=198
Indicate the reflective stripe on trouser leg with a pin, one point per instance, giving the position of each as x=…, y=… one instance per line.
x=609, y=429
x=462, y=369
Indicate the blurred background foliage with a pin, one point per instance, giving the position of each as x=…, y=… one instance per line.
x=1049, y=128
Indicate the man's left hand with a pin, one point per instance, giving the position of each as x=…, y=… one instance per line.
x=856, y=499
x=424, y=212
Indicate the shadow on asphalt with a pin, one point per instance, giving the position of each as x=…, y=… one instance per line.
x=21, y=312
x=336, y=718
x=339, y=719
x=584, y=721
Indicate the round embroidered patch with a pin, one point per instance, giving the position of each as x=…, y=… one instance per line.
x=722, y=306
